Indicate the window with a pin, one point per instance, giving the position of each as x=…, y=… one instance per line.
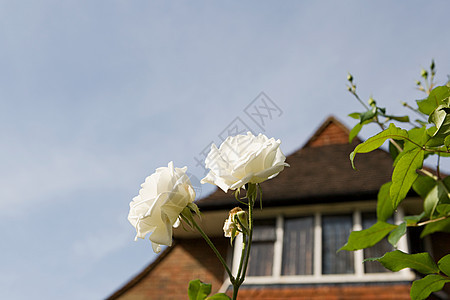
x=298, y=246
x=261, y=259
x=303, y=248
x=335, y=232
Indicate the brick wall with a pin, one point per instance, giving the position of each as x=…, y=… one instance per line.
x=331, y=135
x=344, y=292
x=188, y=260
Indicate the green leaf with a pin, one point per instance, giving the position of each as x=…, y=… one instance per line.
x=368, y=237
x=436, y=98
x=398, y=260
x=443, y=209
x=354, y=132
x=422, y=288
x=198, y=290
x=384, y=203
x=441, y=118
x=437, y=195
x=354, y=115
x=423, y=185
x=376, y=141
x=418, y=135
x=393, y=150
x=447, y=141
x=405, y=174
x=412, y=220
x=219, y=296
x=431, y=201
x=396, y=234
x=368, y=115
x=400, y=119
x=444, y=264
x=439, y=226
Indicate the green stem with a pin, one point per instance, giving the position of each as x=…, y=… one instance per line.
x=222, y=261
x=247, y=242
x=251, y=202
x=432, y=221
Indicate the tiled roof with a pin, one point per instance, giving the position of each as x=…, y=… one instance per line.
x=319, y=172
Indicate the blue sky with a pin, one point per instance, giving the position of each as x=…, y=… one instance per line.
x=94, y=95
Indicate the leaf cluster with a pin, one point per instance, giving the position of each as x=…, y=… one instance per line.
x=429, y=135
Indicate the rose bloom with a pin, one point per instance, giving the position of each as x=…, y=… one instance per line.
x=157, y=208
x=244, y=159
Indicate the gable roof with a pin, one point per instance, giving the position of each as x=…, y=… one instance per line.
x=319, y=172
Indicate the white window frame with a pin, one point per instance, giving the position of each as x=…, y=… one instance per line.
x=317, y=277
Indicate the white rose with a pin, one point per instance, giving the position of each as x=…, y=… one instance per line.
x=156, y=209
x=244, y=159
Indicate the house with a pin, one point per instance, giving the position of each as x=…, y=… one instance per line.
x=308, y=212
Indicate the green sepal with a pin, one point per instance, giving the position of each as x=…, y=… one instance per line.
x=186, y=215
x=368, y=237
x=195, y=209
x=422, y=288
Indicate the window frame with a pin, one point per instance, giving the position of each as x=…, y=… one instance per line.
x=359, y=275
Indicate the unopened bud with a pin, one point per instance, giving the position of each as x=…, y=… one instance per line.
x=424, y=73
x=243, y=219
x=371, y=102
x=432, y=65
x=404, y=103
x=349, y=77
x=418, y=82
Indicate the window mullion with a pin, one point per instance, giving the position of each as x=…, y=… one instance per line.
x=359, y=254
x=317, y=245
x=278, y=247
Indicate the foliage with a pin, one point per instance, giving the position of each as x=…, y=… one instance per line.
x=425, y=136
x=199, y=291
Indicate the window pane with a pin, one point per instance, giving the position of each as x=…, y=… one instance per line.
x=335, y=232
x=261, y=259
x=261, y=256
x=298, y=246
x=368, y=219
x=264, y=230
